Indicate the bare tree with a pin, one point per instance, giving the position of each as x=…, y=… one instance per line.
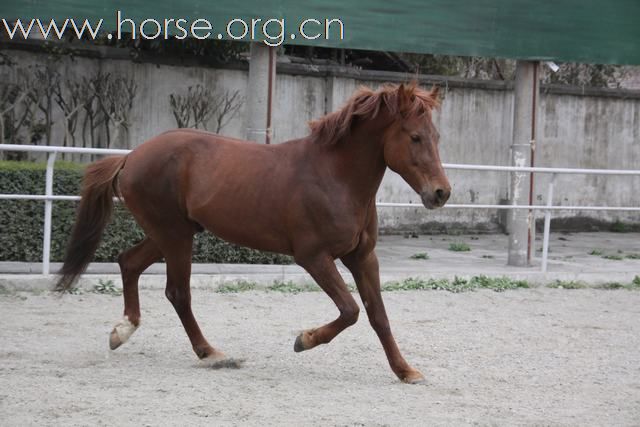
x=193, y=109
x=228, y=108
x=116, y=100
x=93, y=115
x=42, y=94
x=17, y=113
x=6, y=60
x=70, y=99
x=199, y=105
x=12, y=117
x=203, y=106
x=181, y=108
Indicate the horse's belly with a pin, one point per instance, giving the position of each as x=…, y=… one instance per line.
x=245, y=227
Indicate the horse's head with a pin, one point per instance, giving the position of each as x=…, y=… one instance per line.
x=411, y=144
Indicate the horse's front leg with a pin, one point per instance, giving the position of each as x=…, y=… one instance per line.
x=365, y=272
x=323, y=270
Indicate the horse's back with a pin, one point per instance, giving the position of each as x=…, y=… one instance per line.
x=236, y=189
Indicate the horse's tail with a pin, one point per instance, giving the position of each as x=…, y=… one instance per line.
x=93, y=215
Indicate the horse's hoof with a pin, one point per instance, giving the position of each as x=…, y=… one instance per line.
x=212, y=356
x=114, y=340
x=121, y=333
x=304, y=341
x=218, y=360
x=298, y=346
x=414, y=377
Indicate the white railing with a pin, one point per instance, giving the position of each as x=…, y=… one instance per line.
x=49, y=198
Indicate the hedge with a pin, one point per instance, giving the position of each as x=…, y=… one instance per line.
x=21, y=222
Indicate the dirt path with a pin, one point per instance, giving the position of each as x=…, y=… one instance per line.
x=526, y=357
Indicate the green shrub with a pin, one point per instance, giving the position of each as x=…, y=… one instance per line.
x=458, y=284
x=567, y=284
x=611, y=285
x=459, y=247
x=236, y=286
x=107, y=287
x=620, y=227
x=420, y=255
x=21, y=222
x=291, y=287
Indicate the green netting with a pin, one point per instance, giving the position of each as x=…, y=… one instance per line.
x=593, y=31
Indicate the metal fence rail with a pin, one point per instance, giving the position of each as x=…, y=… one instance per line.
x=49, y=197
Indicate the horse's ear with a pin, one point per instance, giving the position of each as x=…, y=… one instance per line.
x=436, y=96
x=435, y=92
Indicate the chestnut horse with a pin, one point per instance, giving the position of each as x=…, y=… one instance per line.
x=312, y=198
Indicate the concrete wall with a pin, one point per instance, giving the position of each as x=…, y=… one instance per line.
x=591, y=132
x=597, y=129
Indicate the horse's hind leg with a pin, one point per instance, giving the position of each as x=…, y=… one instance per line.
x=178, y=257
x=133, y=262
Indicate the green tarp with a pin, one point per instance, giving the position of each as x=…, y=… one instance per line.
x=592, y=31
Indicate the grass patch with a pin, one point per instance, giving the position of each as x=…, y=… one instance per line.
x=615, y=257
x=420, y=255
x=458, y=284
x=611, y=286
x=632, y=256
x=459, y=247
x=415, y=284
x=106, y=287
x=634, y=285
x=596, y=252
x=498, y=284
x=236, y=286
x=567, y=284
x=291, y=287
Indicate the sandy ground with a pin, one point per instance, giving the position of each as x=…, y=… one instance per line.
x=526, y=357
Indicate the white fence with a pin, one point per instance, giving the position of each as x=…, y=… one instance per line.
x=49, y=198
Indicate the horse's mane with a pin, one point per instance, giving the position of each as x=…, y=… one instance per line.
x=401, y=100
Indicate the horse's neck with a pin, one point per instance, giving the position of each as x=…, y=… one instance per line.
x=360, y=162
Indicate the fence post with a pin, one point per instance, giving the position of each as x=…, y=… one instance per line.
x=547, y=223
x=46, y=243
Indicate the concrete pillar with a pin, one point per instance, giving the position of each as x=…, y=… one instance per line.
x=260, y=93
x=524, y=124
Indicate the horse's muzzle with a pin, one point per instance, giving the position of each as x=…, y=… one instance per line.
x=435, y=199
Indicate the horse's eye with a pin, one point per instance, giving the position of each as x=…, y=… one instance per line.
x=415, y=138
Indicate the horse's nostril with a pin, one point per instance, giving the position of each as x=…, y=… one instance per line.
x=442, y=195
